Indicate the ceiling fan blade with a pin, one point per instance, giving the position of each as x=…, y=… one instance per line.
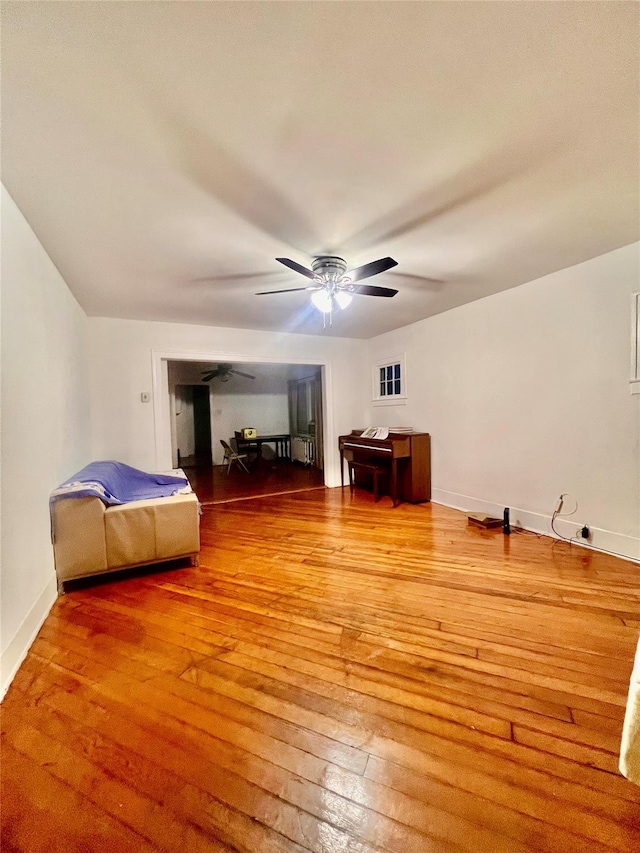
x=297, y=267
x=239, y=276
x=422, y=279
x=210, y=376
x=240, y=373
x=373, y=268
x=372, y=290
x=287, y=290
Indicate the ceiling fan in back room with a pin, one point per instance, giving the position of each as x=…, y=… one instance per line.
x=332, y=286
x=224, y=372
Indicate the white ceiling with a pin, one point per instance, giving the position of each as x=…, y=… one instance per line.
x=166, y=153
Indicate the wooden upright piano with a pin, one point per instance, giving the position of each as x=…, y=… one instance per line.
x=406, y=455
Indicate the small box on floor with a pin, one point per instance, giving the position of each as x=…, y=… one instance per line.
x=486, y=521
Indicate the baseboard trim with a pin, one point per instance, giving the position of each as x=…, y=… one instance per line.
x=17, y=649
x=627, y=547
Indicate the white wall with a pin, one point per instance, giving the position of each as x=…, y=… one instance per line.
x=526, y=395
x=126, y=358
x=45, y=427
x=268, y=413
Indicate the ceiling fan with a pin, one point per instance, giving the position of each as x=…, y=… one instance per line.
x=332, y=285
x=224, y=371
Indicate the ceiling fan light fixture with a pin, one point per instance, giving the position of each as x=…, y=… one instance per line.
x=343, y=299
x=322, y=301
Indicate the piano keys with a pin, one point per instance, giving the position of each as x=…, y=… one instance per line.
x=407, y=456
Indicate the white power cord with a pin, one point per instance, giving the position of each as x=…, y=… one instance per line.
x=558, y=513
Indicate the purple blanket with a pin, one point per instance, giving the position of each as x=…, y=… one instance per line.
x=116, y=483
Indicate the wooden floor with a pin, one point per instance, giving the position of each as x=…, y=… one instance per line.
x=272, y=477
x=338, y=677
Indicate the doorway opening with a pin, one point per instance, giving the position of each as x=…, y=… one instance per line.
x=270, y=414
x=192, y=426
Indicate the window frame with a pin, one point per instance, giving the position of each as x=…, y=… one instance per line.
x=393, y=399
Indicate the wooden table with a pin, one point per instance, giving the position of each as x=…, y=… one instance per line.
x=282, y=443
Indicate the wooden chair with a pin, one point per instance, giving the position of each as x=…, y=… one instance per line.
x=231, y=456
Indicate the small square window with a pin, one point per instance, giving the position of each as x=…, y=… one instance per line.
x=390, y=383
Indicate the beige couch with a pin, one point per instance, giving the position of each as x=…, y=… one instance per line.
x=90, y=538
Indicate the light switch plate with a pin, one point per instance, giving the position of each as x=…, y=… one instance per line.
x=145, y=397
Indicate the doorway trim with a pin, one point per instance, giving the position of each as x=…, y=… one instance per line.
x=162, y=406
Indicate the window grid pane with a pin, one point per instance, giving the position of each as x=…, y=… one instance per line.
x=390, y=384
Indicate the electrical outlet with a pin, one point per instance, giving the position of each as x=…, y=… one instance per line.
x=584, y=532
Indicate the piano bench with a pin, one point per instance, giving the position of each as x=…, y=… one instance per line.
x=370, y=468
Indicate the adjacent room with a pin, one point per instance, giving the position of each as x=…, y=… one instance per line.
x=209, y=427
x=345, y=298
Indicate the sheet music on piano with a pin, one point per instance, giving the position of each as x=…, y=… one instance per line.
x=383, y=432
x=376, y=432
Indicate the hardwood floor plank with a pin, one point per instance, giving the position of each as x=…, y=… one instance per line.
x=144, y=816
x=343, y=784
x=339, y=714
x=283, y=667
x=334, y=676
x=186, y=779
x=601, y=724
x=464, y=693
x=581, y=754
x=342, y=712
x=538, y=820
x=201, y=711
x=592, y=681
x=392, y=737
x=41, y=814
